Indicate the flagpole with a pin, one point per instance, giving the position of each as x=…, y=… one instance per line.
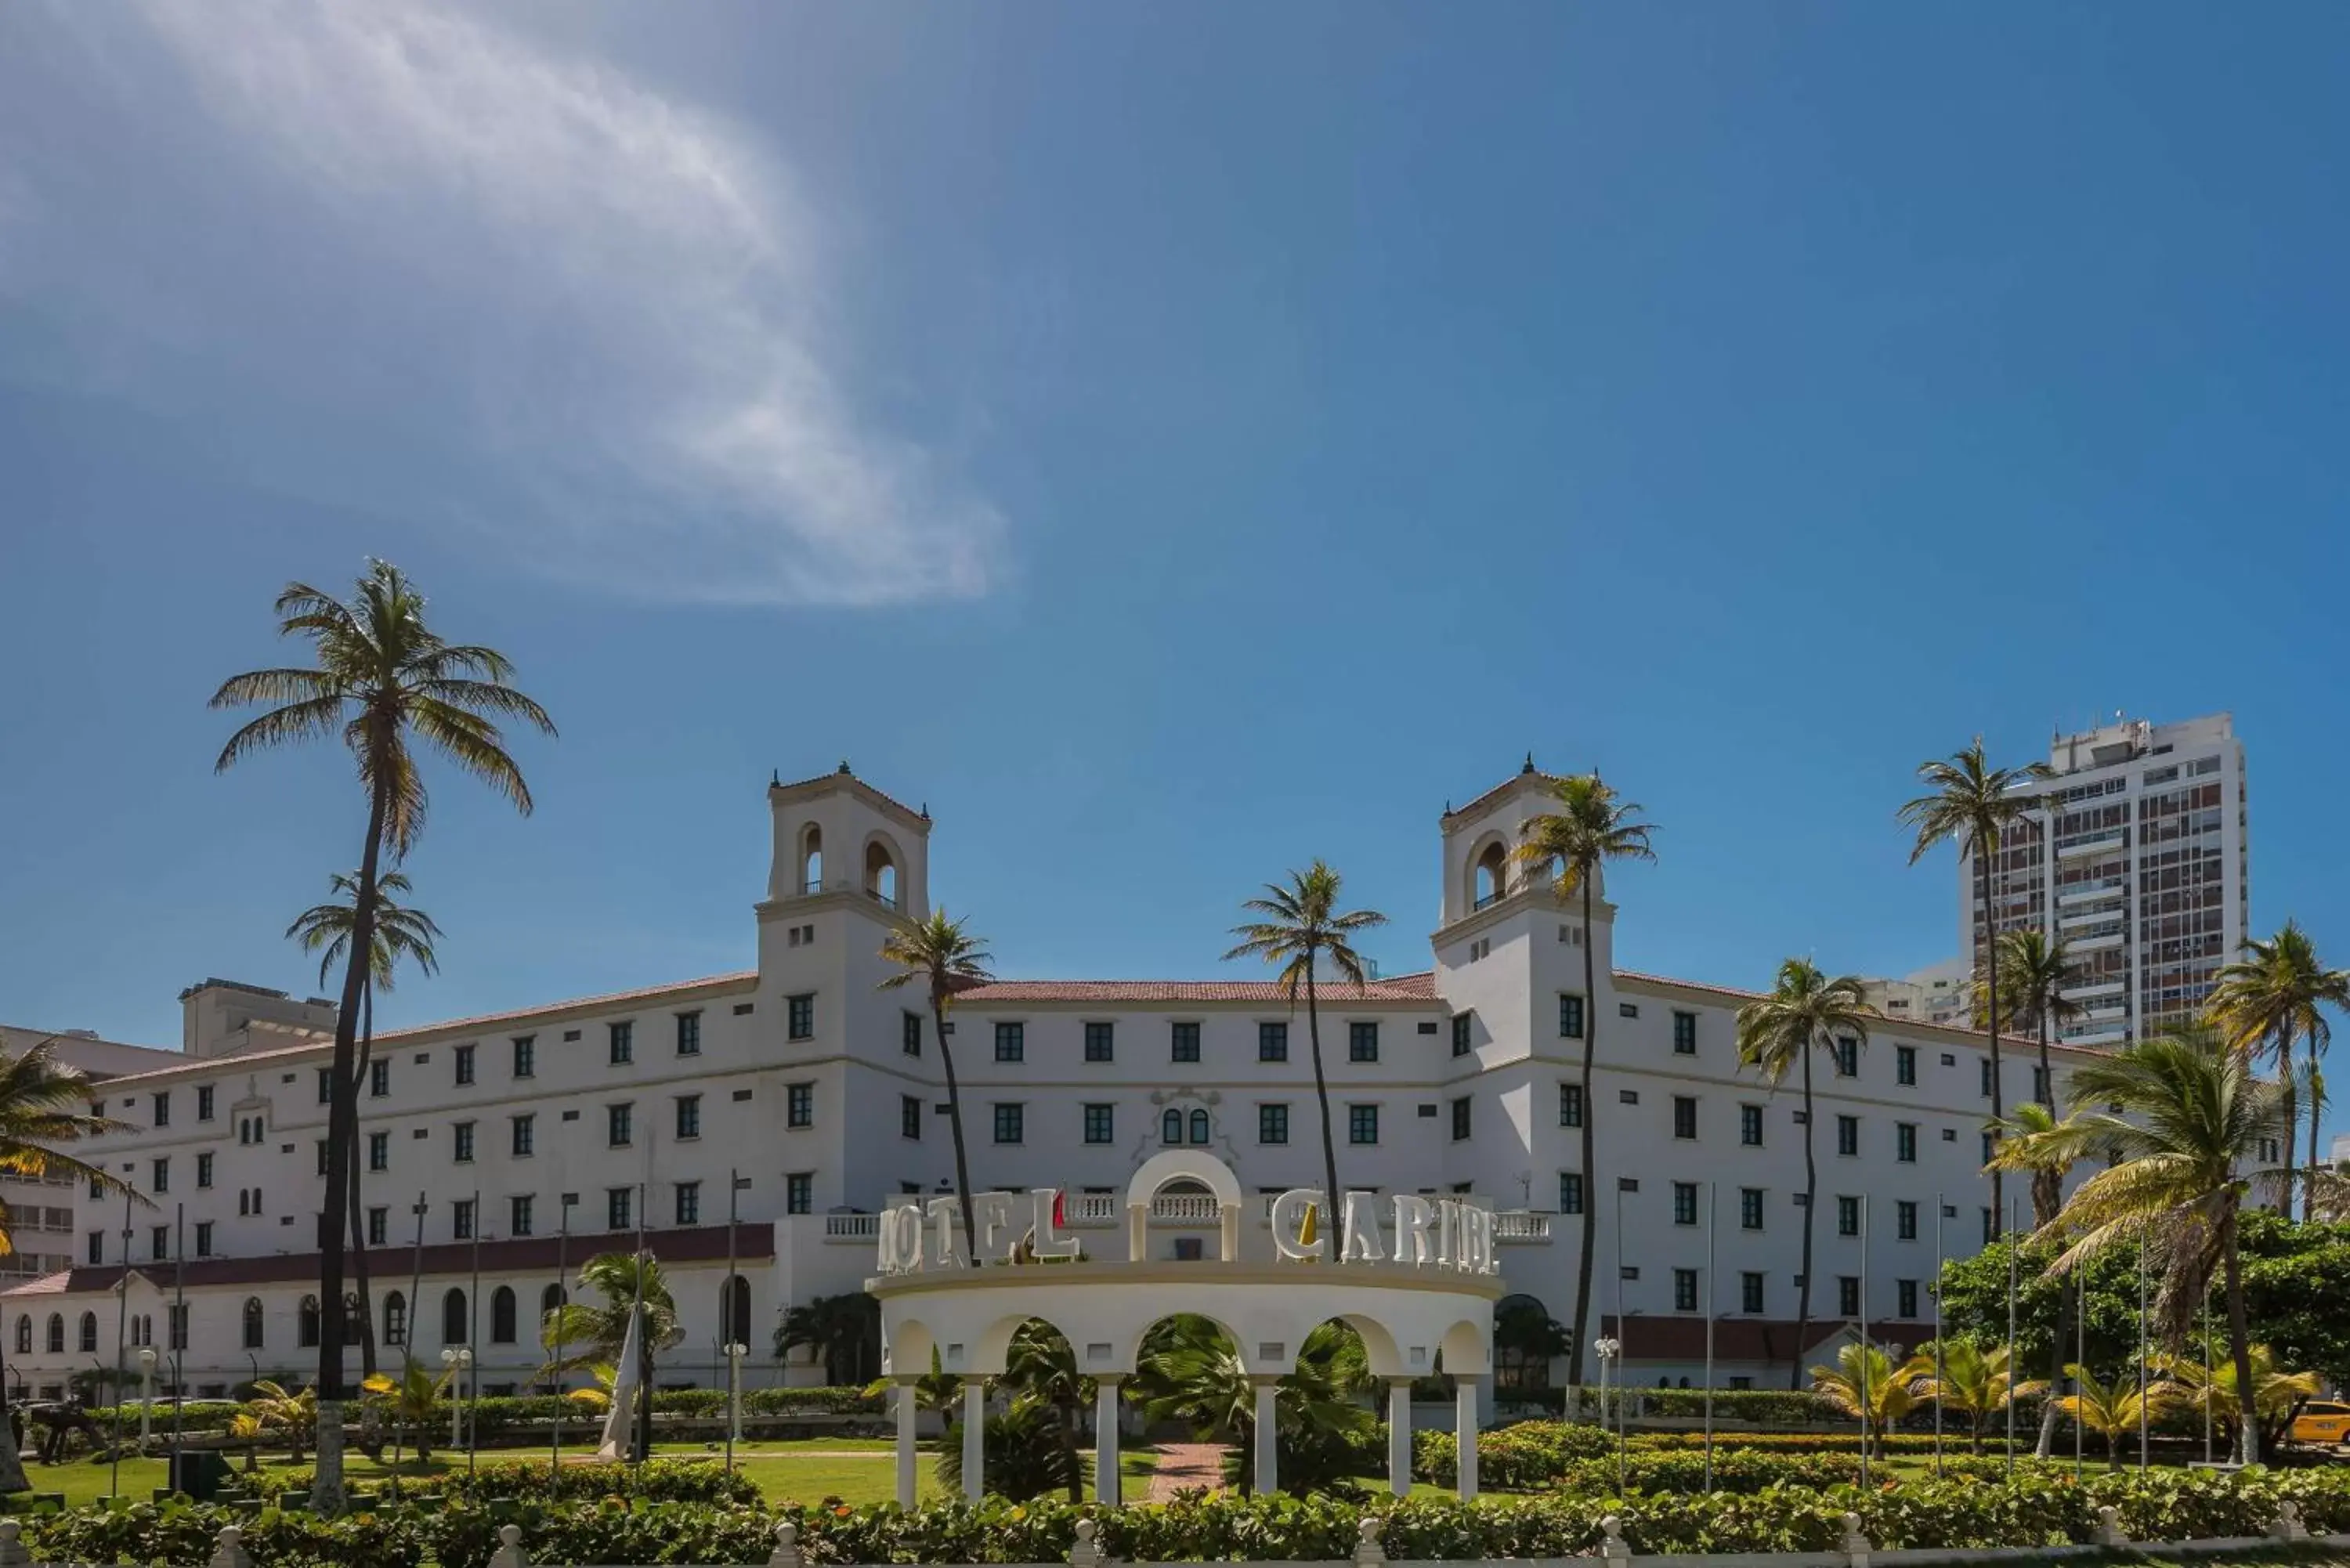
x=2248, y=1402
x=408, y=1341
x=1938, y=1336
x=562, y=1301
x=1712, y=1189
x=176, y=1333
x=2081, y=1361
x=729, y=1332
x=2012, y=1250
x=1865, y=1348
x=643, y=1445
x=473, y=1338
x=121, y=1327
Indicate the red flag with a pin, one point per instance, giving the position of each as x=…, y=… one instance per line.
x=1058, y=1222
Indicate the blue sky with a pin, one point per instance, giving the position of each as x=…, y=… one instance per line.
x=1171, y=443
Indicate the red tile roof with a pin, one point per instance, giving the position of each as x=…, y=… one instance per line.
x=1400, y=988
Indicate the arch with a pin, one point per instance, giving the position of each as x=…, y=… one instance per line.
x=1171, y=1128
x=883, y=880
x=88, y=1336
x=57, y=1337
x=909, y=1351
x=395, y=1319
x=811, y=858
x=306, y=1324
x=1464, y=1348
x=1489, y=871
x=24, y=1334
x=1199, y=1127
x=735, y=1310
x=452, y=1316
x=1379, y=1351
x=1526, y=1338
x=253, y=1322
x=502, y=1315
x=551, y=1299
x=1171, y=1165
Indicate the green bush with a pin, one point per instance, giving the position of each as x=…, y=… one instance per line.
x=1954, y=1444
x=1025, y=1452
x=656, y=1480
x=183, y=1533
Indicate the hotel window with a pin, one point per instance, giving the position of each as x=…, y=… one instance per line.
x=321, y=1146
x=1684, y=1033
x=1570, y=1105
x=462, y=1143
x=1847, y=1216
x=1990, y=1146
x=688, y=1117
x=1750, y=1292
x=518, y=1215
x=1847, y=1295
x=799, y=1105
x=521, y=1136
x=1272, y=1042
x=1570, y=1192
x=1170, y=1128
x=1848, y=1057
x=159, y=1242
x=1685, y=1115
x=1684, y=1202
x=2039, y=1085
x=163, y=1116
x=462, y=1058
x=623, y=1042
x=1362, y=1124
x=910, y=1034
x=909, y=1115
x=1010, y=1122
x=1905, y=1293
x=379, y=1151
x=1272, y=1124
x=1849, y=1135
x=1101, y=1041
x=1183, y=1043
x=1905, y=1142
x=204, y=1237
x=1363, y=1042
x=620, y=1127
x=1200, y=1127
x=1985, y=1066
x=1463, y=1029
x=1100, y=1123
x=799, y=1016
x=1570, y=1016
x=1011, y=1041
x=1904, y=1221
x=204, y=1170
x=96, y=1253
x=1905, y=1066
x=1685, y=1289
x=1749, y=1209
x=326, y=1084
x=620, y=1208
x=1750, y=1125
x=1461, y=1119
x=160, y=1178
x=525, y=1055
x=799, y=1193
x=461, y=1220
x=689, y=1033
x=203, y=1102
x=688, y=1207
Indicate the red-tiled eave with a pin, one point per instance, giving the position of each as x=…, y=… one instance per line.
x=753, y=1241
x=1739, y=1338
x=1406, y=988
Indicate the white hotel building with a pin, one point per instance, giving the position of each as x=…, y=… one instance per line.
x=553, y=1132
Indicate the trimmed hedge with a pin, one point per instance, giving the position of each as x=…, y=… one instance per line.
x=502, y=1413
x=1553, y=1456
x=1954, y=1444
x=656, y=1480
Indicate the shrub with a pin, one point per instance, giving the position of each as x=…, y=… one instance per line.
x=1026, y=1456
x=180, y=1532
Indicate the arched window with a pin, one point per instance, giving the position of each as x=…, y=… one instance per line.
x=502, y=1315
x=812, y=860
x=453, y=1317
x=735, y=1310
x=881, y=874
x=1492, y=879
x=1200, y=1127
x=552, y=1299
x=90, y=1334
x=395, y=1319
x=57, y=1341
x=355, y=1315
x=306, y=1333
x=1171, y=1128
x=253, y=1322
x=25, y=1335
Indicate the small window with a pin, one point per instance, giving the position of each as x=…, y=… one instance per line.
x=1101, y=1041
x=687, y=1206
x=204, y=1237
x=160, y=1176
x=1684, y=1033
x=1905, y=1142
x=1627, y=1097
x=1847, y=1216
x=1848, y=1136
x=321, y=1147
x=1749, y=1299
x=620, y=1208
x=462, y=1059
x=1749, y=1209
x=799, y=1105
x=799, y=1016
x=1950, y=1135
x=521, y=1136
x=1905, y=1066
x=1905, y=1294
x=1684, y=1202
x=203, y=1102
x=204, y=1170
x=1362, y=1124
x=1990, y=1147
x=253, y=1321
x=689, y=1033
x=1627, y=1010
x=1183, y=1042
x=379, y=1151
x=326, y=1084
x=1570, y=1105
x=1272, y=1124
x=1200, y=1127
x=910, y=1035
x=1904, y=1221
x=1100, y=1123
x=453, y=1322
x=623, y=1042
x=1011, y=1041
x=518, y=1214
x=689, y=1118
x=461, y=1219
x=502, y=1315
x=1363, y=1041
x=525, y=1055
x=619, y=1129
x=1272, y=1042
x=1847, y=1295
x=1985, y=1065
x=1570, y=1016
x=799, y=1193
x=1010, y=1122
x=1570, y=1192
x=1848, y=1057
x=1628, y=1184
x=1171, y=1128
x=1190, y=1249
x=1685, y=1115
x=1463, y=1032
x=1461, y=1119
x=163, y=1109
x=1750, y=1125
x=461, y=1149
x=1685, y=1289
x=395, y=1319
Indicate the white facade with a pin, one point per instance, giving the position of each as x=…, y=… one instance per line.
x=2147, y=881
x=41, y=1212
x=823, y=1095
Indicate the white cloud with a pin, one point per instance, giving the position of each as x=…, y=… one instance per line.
x=612, y=301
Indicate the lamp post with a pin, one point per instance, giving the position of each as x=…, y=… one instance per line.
x=734, y=1355
x=146, y=1394
x=1609, y=1348
x=457, y=1360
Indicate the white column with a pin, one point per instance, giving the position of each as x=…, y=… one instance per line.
x=974, y=1437
x=1267, y=1470
x=1105, y=1480
x=907, y=1473
x=1464, y=1420
x=1399, y=1436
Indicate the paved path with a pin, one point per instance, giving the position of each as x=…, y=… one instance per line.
x=1186, y=1466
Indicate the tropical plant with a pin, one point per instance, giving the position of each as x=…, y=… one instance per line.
x=1776, y=1034
x=2035, y=969
x=274, y=1408
x=1971, y=1379
x=1302, y=924
x=412, y=1400
x=45, y=1103
x=2114, y=1408
x=604, y=1381
x=1975, y=805
x=2031, y=1141
x=2209, y=1383
x=1189, y=1371
x=399, y=932
x=1040, y=1366
x=2192, y=1114
x=628, y=1283
x=2278, y=989
x=1865, y=1383
x=946, y=958
x=844, y=1330
x=1589, y=827
x=381, y=680
x=1025, y=1453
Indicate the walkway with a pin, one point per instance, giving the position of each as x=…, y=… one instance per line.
x=1186, y=1466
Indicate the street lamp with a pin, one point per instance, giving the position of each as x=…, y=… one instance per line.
x=146, y=1394
x=457, y=1360
x=734, y=1355
x=1609, y=1348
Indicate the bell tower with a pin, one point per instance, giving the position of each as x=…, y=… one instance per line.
x=848, y=863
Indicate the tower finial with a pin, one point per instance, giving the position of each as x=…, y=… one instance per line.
x=774, y=778
x=926, y=811
x=1529, y=763
x=844, y=764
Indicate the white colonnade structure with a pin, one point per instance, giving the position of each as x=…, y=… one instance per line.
x=1415, y=1276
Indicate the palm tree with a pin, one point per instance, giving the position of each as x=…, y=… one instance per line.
x=947, y=959
x=381, y=680
x=1974, y=805
x=399, y=932
x=275, y=1409
x=1301, y=924
x=1775, y=1036
x=2278, y=989
x=629, y=1281
x=844, y=1330
x=2277, y=1398
x=1592, y=826
x=44, y=1103
x=2038, y=969
x=2034, y=1141
x=1039, y=1365
x=1973, y=1381
x=2111, y=1410
x=414, y=1400
x=2192, y=1114
x=1865, y=1383
x=1189, y=1371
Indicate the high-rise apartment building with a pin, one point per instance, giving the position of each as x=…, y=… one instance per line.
x=2139, y=862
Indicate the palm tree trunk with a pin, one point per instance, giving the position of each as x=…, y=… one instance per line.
x=1998, y=1089
x=2240, y=1338
x=1590, y=1250
x=2291, y=1109
x=2064, y=1298
x=358, y=1232
x=1068, y=1423
x=2316, y=1113
x=954, y=1120
x=1337, y=1199
x=1811, y=1201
